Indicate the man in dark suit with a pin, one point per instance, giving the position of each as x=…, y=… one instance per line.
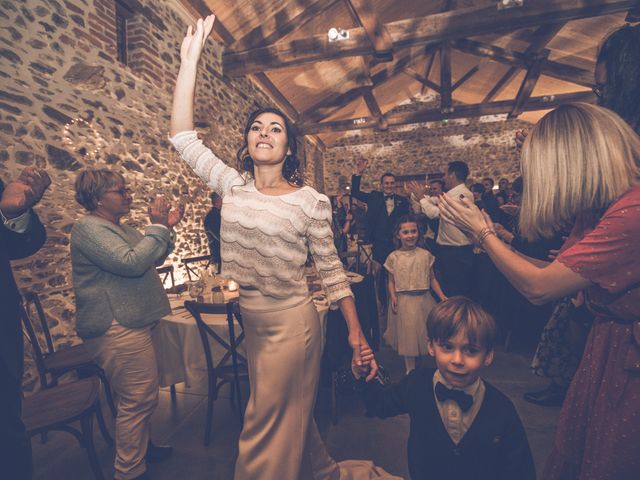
x=383, y=211
x=21, y=235
x=212, y=222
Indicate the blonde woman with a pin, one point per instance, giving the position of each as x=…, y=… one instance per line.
x=580, y=168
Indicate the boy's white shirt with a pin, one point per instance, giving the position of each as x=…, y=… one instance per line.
x=455, y=421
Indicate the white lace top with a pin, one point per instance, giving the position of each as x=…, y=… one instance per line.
x=264, y=239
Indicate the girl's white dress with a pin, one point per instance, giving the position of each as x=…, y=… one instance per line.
x=407, y=329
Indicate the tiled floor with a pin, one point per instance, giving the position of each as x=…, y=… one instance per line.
x=180, y=423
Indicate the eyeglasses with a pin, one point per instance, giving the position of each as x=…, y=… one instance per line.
x=598, y=89
x=121, y=191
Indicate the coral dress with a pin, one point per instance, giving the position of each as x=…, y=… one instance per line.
x=598, y=435
x=407, y=328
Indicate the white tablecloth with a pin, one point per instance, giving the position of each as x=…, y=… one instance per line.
x=179, y=348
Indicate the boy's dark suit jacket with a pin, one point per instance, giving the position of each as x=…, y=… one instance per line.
x=494, y=448
x=378, y=222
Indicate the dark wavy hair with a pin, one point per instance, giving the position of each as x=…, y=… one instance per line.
x=291, y=168
x=620, y=55
x=408, y=219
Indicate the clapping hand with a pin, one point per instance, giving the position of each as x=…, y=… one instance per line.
x=463, y=214
x=175, y=215
x=194, y=41
x=416, y=189
x=24, y=193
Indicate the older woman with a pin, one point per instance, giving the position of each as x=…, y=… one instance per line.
x=580, y=167
x=119, y=298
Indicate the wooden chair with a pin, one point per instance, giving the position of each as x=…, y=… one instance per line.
x=56, y=408
x=220, y=373
x=51, y=363
x=165, y=272
x=192, y=273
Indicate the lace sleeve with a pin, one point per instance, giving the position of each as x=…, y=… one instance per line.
x=323, y=251
x=215, y=173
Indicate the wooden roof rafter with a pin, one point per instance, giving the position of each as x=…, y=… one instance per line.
x=329, y=105
x=528, y=84
x=542, y=37
x=374, y=28
x=434, y=115
x=287, y=20
x=561, y=71
x=421, y=30
x=445, y=77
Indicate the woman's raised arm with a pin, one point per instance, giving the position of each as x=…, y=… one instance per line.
x=183, y=94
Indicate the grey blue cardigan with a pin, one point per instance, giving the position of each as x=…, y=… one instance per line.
x=114, y=275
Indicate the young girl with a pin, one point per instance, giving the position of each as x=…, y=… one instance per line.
x=410, y=279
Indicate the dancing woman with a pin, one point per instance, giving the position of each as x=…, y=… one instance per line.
x=269, y=225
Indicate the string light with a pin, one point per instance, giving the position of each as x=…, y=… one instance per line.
x=93, y=136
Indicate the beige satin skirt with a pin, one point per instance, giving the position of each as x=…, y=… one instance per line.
x=280, y=439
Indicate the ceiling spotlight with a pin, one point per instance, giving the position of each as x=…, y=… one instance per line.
x=337, y=34
x=503, y=4
x=359, y=121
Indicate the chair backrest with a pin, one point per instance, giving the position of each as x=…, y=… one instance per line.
x=32, y=302
x=166, y=271
x=197, y=309
x=192, y=272
x=35, y=345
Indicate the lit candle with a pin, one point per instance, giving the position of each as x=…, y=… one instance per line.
x=233, y=286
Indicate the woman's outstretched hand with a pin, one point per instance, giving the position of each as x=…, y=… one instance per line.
x=363, y=358
x=194, y=40
x=463, y=214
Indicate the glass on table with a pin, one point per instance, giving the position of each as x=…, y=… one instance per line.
x=196, y=289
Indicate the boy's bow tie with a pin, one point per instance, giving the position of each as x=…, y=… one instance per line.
x=464, y=400
x=388, y=197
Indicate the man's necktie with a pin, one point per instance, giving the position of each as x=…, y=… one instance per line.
x=464, y=400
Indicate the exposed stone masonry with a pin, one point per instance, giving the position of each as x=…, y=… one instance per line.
x=66, y=103
x=486, y=145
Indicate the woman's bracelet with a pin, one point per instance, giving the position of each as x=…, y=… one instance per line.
x=484, y=233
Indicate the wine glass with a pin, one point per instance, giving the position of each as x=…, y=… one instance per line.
x=196, y=289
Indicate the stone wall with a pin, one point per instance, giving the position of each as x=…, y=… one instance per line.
x=486, y=144
x=66, y=103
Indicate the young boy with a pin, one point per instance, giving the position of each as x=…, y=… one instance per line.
x=461, y=427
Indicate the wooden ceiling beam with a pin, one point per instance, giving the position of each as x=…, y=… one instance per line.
x=425, y=82
x=329, y=105
x=285, y=21
x=374, y=109
x=500, y=84
x=427, y=70
x=378, y=35
x=445, y=76
x=528, y=84
x=413, y=31
x=465, y=77
x=434, y=115
x=200, y=9
x=561, y=71
x=542, y=36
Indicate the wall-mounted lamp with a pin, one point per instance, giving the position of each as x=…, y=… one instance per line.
x=504, y=4
x=337, y=34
